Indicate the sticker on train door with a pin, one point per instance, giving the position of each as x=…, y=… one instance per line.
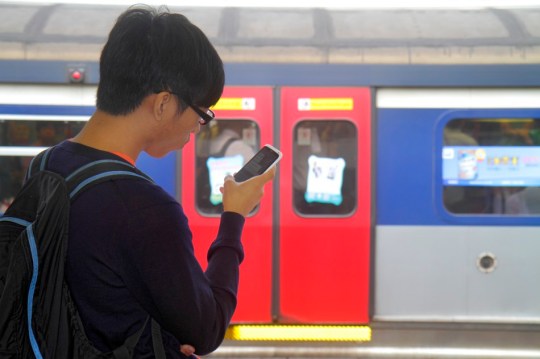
x=325, y=180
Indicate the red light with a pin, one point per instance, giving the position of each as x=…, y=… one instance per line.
x=76, y=75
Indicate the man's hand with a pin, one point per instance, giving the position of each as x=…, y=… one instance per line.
x=244, y=196
x=187, y=350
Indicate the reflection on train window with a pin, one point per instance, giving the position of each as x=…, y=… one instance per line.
x=12, y=172
x=37, y=132
x=222, y=147
x=26, y=133
x=324, y=168
x=492, y=166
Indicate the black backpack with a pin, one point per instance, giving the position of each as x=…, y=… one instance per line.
x=38, y=318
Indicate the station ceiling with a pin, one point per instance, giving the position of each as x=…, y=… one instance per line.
x=298, y=35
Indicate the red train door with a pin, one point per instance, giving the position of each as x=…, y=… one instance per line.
x=324, y=205
x=243, y=123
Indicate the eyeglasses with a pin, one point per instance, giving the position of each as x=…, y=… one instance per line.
x=206, y=117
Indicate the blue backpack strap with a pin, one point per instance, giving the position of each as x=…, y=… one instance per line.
x=38, y=163
x=98, y=172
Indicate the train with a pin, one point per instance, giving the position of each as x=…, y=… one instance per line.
x=408, y=195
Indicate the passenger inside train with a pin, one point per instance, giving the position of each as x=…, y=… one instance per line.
x=221, y=148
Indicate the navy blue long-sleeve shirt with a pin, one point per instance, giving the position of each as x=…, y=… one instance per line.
x=130, y=255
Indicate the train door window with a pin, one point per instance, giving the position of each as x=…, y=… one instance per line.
x=324, y=168
x=491, y=166
x=222, y=147
x=17, y=137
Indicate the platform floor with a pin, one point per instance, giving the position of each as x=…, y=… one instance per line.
x=405, y=340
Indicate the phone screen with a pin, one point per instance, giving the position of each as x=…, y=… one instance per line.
x=258, y=164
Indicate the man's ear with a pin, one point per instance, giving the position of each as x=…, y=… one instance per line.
x=161, y=101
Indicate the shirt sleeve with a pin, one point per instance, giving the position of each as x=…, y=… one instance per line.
x=165, y=277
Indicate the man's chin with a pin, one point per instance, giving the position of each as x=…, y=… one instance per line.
x=158, y=154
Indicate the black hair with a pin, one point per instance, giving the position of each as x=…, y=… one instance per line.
x=151, y=50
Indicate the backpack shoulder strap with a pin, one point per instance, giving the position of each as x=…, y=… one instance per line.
x=126, y=350
x=89, y=174
x=38, y=163
x=92, y=174
x=226, y=145
x=98, y=172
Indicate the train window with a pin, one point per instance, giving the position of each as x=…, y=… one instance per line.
x=324, y=168
x=222, y=147
x=12, y=171
x=37, y=133
x=16, y=139
x=491, y=166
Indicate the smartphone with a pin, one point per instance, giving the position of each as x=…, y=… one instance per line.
x=262, y=161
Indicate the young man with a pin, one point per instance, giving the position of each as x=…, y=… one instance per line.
x=130, y=249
